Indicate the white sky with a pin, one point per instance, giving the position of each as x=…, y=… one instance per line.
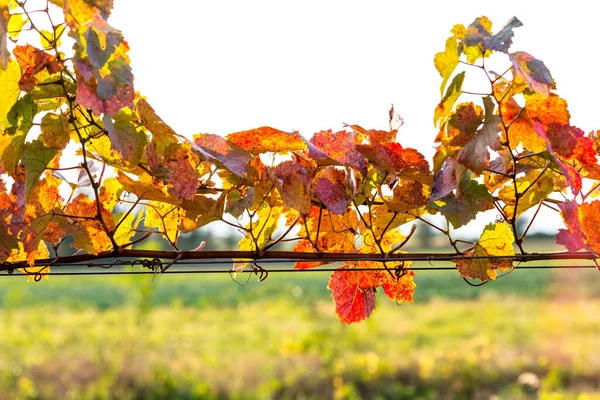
x=225, y=66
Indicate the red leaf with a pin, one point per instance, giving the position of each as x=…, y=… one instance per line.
x=232, y=157
x=571, y=174
x=406, y=163
x=304, y=246
x=572, y=237
x=341, y=146
x=400, y=290
x=331, y=190
x=353, y=293
x=293, y=182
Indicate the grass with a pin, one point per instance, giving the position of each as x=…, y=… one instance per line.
x=530, y=334
x=277, y=349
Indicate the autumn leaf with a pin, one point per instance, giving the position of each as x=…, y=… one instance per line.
x=474, y=198
x=520, y=127
x=125, y=137
x=571, y=175
x=549, y=109
x=446, y=61
x=495, y=241
x=88, y=233
x=267, y=139
x=162, y=134
x=215, y=147
x=532, y=71
x=32, y=62
x=479, y=35
x=532, y=188
x=55, y=131
x=81, y=12
x=328, y=232
x=164, y=217
x=589, y=218
x=353, y=294
x=341, y=147
x=35, y=158
x=463, y=125
x=104, y=77
x=332, y=190
x=182, y=178
x=572, y=237
x=200, y=211
x=444, y=109
x=402, y=162
x=9, y=81
x=583, y=226
x=445, y=180
x=294, y=184
x=238, y=200
x=145, y=190
x=407, y=196
x=261, y=228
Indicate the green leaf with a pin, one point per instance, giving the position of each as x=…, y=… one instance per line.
x=126, y=138
x=11, y=148
x=35, y=158
x=55, y=131
x=460, y=210
x=446, y=61
x=20, y=116
x=452, y=94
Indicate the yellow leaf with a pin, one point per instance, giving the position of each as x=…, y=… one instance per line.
x=164, y=217
x=496, y=240
x=9, y=82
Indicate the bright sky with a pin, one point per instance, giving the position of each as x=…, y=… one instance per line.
x=226, y=66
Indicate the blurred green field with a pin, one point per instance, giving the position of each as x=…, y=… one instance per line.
x=530, y=334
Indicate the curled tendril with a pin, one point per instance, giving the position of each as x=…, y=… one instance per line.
x=254, y=269
x=37, y=275
x=400, y=271
x=260, y=272
x=153, y=265
x=232, y=274
x=474, y=284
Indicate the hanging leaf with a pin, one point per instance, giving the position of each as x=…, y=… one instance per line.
x=496, y=240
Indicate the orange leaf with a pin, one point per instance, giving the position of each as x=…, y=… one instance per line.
x=267, y=139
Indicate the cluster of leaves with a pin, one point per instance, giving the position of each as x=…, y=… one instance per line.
x=350, y=191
